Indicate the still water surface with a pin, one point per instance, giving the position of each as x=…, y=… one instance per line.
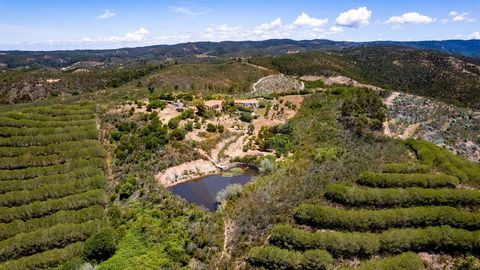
x=203, y=190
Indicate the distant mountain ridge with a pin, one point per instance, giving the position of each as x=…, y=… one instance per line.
x=194, y=50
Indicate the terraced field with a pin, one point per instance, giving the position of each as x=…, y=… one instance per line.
x=52, y=184
x=430, y=206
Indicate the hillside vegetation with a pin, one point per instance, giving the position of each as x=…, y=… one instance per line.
x=445, y=77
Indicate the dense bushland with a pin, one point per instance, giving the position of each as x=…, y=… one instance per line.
x=390, y=197
x=33, y=131
x=387, y=180
x=49, y=139
x=48, y=149
x=9, y=122
x=346, y=244
x=271, y=257
x=383, y=219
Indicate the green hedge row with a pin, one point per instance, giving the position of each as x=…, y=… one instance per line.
x=52, y=191
x=59, y=110
x=426, y=180
x=43, y=208
x=271, y=257
x=61, y=217
x=5, y=121
x=390, y=197
x=383, y=219
x=60, y=235
x=49, y=149
x=406, y=168
x=26, y=161
x=49, y=139
x=34, y=183
x=18, y=131
x=404, y=261
x=32, y=172
x=46, y=118
x=46, y=259
x=431, y=154
x=347, y=244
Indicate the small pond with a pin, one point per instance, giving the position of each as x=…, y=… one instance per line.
x=202, y=191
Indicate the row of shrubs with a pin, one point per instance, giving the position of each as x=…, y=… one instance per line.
x=346, y=244
x=34, y=183
x=271, y=257
x=406, y=168
x=26, y=160
x=5, y=121
x=395, y=197
x=44, y=117
x=49, y=139
x=59, y=110
x=44, y=239
x=61, y=217
x=383, y=219
x=29, y=131
x=32, y=172
x=52, y=191
x=426, y=180
x=42, y=208
x=46, y=259
x=49, y=149
x=404, y=261
x=431, y=154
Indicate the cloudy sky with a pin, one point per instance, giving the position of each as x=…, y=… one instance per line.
x=49, y=24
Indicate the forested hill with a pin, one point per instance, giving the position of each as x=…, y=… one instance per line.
x=453, y=79
x=189, y=51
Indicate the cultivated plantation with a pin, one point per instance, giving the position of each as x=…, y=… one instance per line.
x=52, y=185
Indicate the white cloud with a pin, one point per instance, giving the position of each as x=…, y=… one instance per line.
x=305, y=20
x=334, y=30
x=265, y=27
x=189, y=12
x=107, y=14
x=138, y=35
x=474, y=35
x=460, y=17
x=354, y=17
x=410, y=17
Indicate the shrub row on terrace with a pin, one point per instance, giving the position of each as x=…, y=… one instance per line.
x=406, y=168
x=394, y=197
x=34, y=183
x=431, y=154
x=19, y=131
x=383, y=219
x=59, y=110
x=49, y=149
x=46, y=118
x=49, y=139
x=9, y=122
x=26, y=160
x=346, y=244
x=43, y=208
x=426, y=180
x=60, y=217
x=46, y=259
x=52, y=191
x=404, y=261
x=44, y=239
x=271, y=257
x=32, y=172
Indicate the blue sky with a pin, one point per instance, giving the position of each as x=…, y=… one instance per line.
x=49, y=24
